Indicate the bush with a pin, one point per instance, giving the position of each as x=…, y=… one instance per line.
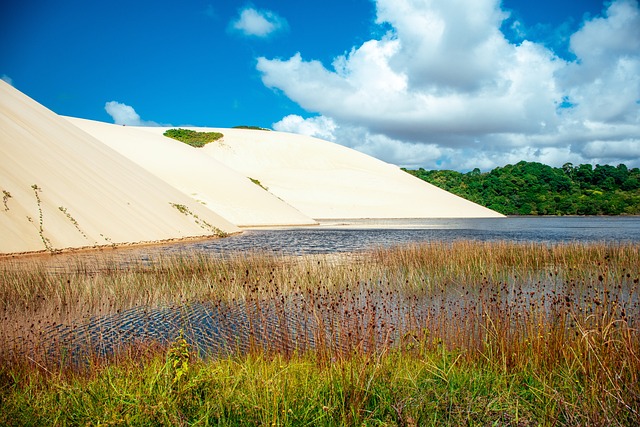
x=250, y=127
x=192, y=137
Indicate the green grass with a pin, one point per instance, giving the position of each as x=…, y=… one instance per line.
x=193, y=138
x=258, y=183
x=430, y=387
x=516, y=334
x=388, y=389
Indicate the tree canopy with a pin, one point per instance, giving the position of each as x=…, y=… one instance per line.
x=530, y=188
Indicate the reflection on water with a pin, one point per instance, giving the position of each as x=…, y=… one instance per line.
x=298, y=321
x=216, y=328
x=368, y=316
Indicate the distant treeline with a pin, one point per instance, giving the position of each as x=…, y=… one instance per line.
x=529, y=188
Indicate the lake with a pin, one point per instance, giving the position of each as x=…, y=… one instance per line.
x=354, y=235
x=340, y=236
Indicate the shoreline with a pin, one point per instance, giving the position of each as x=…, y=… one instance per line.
x=322, y=224
x=111, y=247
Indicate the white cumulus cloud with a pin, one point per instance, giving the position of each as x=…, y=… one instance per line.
x=123, y=114
x=444, y=87
x=320, y=127
x=258, y=23
x=7, y=79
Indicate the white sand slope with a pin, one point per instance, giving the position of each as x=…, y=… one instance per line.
x=325, y=180
x=69, y=183
x=190, y=170
x=62, y=188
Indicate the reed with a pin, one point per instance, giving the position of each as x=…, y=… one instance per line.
x=410, y=335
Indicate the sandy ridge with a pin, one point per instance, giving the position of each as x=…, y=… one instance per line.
x=63, y=188
x=206, y=180
x=74, y=183
x=325, y=180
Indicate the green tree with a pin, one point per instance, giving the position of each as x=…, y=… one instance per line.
x=531, y=188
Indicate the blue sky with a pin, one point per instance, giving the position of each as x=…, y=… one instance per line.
x=439, y=84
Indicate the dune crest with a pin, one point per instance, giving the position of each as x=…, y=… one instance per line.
x=205, y=179
x=325, y=180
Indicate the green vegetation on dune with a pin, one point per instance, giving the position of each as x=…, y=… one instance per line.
x=488, y=333
x=193, y=138
x=529, y=188
x=250, y=127
x=258, y=183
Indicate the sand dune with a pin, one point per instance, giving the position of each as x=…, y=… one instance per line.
x=62, y=188
x=328, y=181
x=70, y=183
x=205, y=179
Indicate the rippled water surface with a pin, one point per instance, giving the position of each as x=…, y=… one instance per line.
x=220, y=329
x=350, y=235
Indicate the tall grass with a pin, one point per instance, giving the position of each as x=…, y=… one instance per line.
x=427, y=334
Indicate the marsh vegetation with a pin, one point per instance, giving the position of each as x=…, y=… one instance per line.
x=427, y=334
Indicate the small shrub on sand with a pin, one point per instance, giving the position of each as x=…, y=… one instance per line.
x=5, y=198
x=258, y=183
x=250, y=127
x=192, y=137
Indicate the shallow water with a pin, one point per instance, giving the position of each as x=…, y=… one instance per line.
x=356, y=235
x=215, y=328
x=364, y=317
x=340, y=236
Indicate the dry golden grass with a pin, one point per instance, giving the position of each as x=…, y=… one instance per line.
x=567, y=315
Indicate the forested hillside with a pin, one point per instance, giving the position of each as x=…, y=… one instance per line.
x=528, y=188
